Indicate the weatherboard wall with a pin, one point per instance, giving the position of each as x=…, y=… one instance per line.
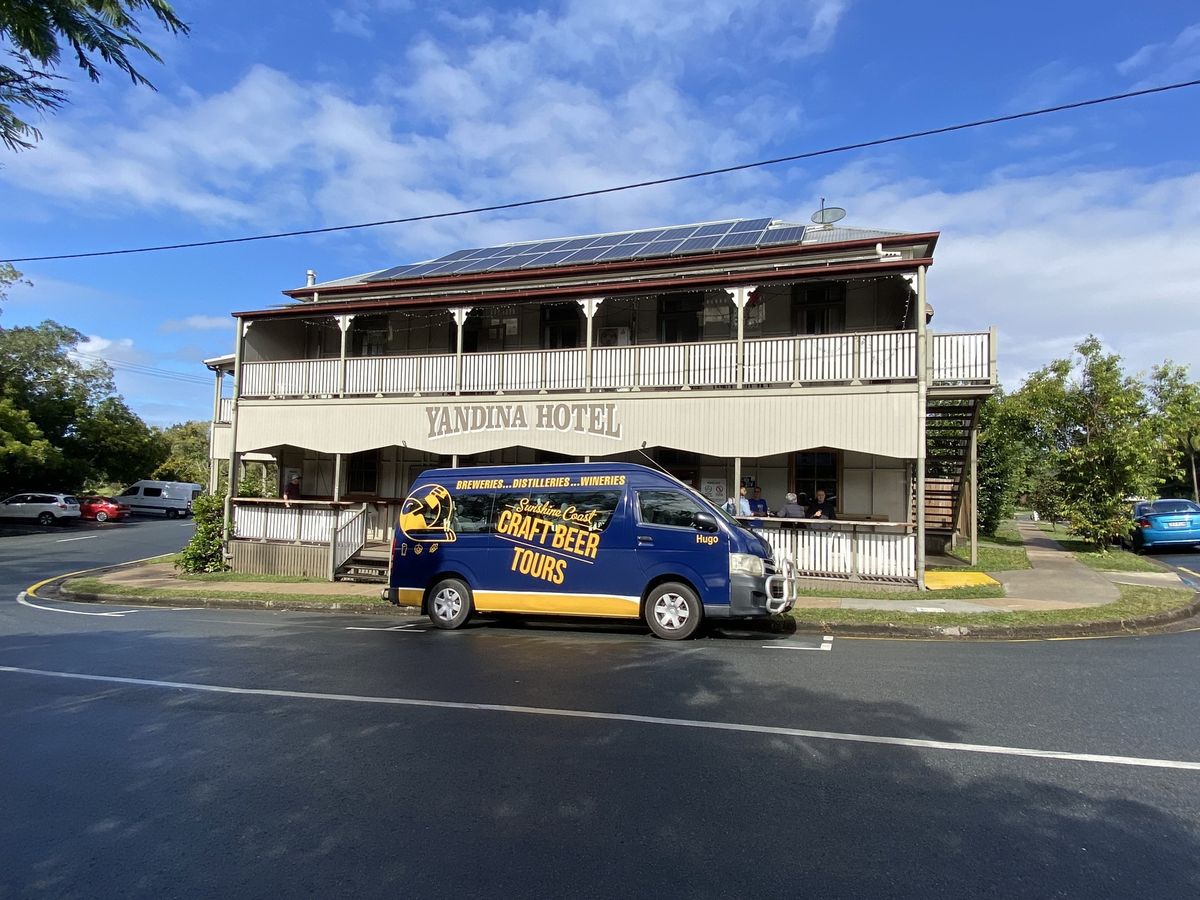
x=879, y=420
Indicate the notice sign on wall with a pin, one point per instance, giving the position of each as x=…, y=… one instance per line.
x=713, y=489
x=586, y=418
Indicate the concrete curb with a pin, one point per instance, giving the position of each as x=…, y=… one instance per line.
x=1145, y=624
x=376, y=606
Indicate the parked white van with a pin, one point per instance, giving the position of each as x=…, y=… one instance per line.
x=173, y=498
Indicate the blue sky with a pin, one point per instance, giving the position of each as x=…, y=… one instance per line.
x=285, y=115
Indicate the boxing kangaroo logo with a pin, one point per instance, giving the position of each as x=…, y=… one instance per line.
x=425, y=515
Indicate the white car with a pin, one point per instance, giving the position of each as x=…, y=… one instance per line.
x=47, y=509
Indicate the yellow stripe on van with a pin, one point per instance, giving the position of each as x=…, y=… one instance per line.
x=558, y=604
x=409, y=596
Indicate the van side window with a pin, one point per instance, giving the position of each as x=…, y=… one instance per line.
x=130, y=492
x=673, y=508
x=590, y=509
x=151, y=492
x=472, y=513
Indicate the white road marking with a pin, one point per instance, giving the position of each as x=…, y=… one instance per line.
x=826, y=644
x=85, y=538
x=410, y=627
x=916, y=743
x=71, y=612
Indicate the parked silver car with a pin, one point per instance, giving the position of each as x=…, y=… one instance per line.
x=47, y=509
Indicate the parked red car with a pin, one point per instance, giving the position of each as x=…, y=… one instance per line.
x=103, y=509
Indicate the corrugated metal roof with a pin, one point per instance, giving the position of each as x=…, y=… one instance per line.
x=811, y=234
x=818, y=234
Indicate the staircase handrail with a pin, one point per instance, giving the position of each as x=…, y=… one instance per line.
x=347, y=538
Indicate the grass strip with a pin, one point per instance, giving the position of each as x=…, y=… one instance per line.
x=218, y=577
x=1002, y=552
x=1112, y=559
x=1135, y=602
x=99, y=586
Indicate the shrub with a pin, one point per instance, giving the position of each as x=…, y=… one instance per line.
x=203, y=552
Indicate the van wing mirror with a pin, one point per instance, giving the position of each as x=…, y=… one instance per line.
x=702, y=521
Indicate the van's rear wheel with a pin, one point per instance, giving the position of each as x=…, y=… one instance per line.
x=673, y=611
x=450, y=603
x=172, y=513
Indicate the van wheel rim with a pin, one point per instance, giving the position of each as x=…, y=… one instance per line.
x=446, y=604
x=671, y=611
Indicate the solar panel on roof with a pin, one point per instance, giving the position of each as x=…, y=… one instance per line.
x=744, y=225
x=546, y=259
x=659, y=248
x=738, y=239
x=587, y=254
x=696, y=244
x=575, y=244
x=607, y=240
x=641, y=237
x=621, y=251
x=498, y=262
x=792, y=233
x=457, y=254
x=717, y=228
x=394, y=272
x=650, y=242
x=677, y=234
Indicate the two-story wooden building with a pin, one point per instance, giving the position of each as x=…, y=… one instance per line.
x=756, y=352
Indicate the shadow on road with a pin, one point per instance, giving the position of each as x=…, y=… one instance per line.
x=135, y=791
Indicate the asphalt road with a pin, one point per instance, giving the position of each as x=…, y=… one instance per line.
x=1185, y=561
x=243, y=753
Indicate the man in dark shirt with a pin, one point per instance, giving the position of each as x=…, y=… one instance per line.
x=758, y=505
x=822, y=508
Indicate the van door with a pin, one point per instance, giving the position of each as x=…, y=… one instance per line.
x=669, y=543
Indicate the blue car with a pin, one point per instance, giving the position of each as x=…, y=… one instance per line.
x=1165, y=523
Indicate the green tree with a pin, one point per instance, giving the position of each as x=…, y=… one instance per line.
x=23, y=450
x=999, y=463
x=8, y=277
x=1084, y=421
x=71, y=406
x=1175, y=404
x=187, y=453
x=112, y=444
x=35, y=33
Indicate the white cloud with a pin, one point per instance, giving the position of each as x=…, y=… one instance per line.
x=1050, y=259
x=357, y=18
x=198, y=323
x=1171, y=61
x=528, y=104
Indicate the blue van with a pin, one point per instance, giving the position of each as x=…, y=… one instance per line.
x=587, y=539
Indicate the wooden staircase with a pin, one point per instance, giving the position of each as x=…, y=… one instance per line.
x=370, y=564
x=948, y=425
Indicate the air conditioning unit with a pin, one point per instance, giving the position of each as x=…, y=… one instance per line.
x=614, y=336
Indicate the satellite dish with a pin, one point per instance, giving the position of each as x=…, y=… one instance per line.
x=827, y=215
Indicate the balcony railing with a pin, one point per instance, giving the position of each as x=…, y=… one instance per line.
x=847, y=550
x=803, y=360
x=224, y=410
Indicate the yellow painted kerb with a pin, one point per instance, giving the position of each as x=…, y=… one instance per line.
x=942, y=581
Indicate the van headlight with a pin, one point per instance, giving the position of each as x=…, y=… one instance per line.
x=746, y=564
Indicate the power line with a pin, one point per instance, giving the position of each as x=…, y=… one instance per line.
x=741, y=167
x=140, y=369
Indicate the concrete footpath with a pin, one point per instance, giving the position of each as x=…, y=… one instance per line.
x=1056, y=581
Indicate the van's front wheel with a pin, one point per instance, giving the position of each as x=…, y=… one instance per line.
x=673, y=611
x=172, y=513
x=450, y=604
